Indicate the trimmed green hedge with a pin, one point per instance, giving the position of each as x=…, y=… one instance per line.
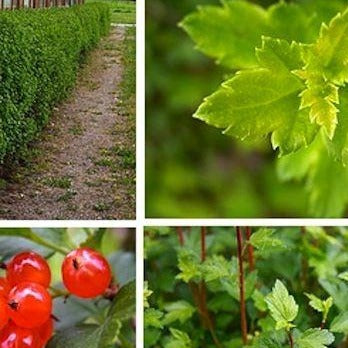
x=40, y=52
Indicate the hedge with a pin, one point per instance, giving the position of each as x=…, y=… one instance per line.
x=40, y=52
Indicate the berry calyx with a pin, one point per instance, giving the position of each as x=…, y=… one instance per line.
x=29, y=305
x=4, y=287
x=4, y=315
x=30, y=267
x=13, y=336
x=86, y=273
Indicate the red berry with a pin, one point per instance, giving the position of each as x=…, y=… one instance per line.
x=4, y=315
x=29, y=304
x=45, y=331
x=29, y=267
x=15, y=337
x=86, y=273
x=4, y=287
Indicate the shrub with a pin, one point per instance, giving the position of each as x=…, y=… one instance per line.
x=40, y=51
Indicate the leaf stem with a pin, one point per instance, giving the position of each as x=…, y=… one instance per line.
x=243, y=321
x=59, y=293
x=250, y=250
x=291, y=339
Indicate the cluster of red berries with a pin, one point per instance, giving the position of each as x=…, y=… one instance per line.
x=25, y=301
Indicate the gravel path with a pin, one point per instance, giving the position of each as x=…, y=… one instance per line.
x=84, y=160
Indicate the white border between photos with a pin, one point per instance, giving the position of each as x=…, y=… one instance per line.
x=141, y=221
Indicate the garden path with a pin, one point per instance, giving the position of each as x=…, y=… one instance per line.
x=83, y=164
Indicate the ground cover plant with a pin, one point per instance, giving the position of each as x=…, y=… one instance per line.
x=67, y=287
x=286, y=83
x=246, y=287
x=40, y=53
x=122, y=11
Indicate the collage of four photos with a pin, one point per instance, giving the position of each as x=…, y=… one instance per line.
x=173, y=174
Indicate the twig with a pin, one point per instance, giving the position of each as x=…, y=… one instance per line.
x=250, y=250
x=180, y=235
x=243, y=321
x=291, y=340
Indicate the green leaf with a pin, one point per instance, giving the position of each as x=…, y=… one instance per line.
x=147, y=294
x=123, y=305
x=344, y=276
x=340, y=323
x=315, y=338
x=180, y=310
x=326, y=67
x=179, y=339
x=152, y=318
x=82, y=336
x=216, y=267
x=259, y=300
x=223, y=32
x=319, y=305
x=331, y=49
x=95, y=239
x=208, y=25
x=105, y=335
x=260, y=101
x=338, y=147
x=325, y=179
x=263, y=239
x=189, y=265
x=54, y=239
x=282, y=306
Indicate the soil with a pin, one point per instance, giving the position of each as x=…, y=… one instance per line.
x=78, y=170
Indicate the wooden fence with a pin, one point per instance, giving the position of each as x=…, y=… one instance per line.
x=17, y=4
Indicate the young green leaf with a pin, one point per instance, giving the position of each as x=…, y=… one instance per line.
x=326, y=67
x=340, y=323
x=263, y=239
x=180, y=310
x=147, y=294
x=315, y=338
x=282, y=20
x=260, y=101
x=152, y=318
x=216, y=267
x=189, y=265
x=282, y=306
x=344, y=276
x=319, y=305
x=179, y=339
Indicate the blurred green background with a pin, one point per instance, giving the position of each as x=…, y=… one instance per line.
x=191, y=169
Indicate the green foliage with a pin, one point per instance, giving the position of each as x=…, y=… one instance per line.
x=295, y=288
x=40, y=52
x=292, y=87
x=96, y=323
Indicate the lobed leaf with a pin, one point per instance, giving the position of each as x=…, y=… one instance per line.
x=282, y=306
x=315, y=338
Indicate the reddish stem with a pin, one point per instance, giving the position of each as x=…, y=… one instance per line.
x=291, y=340
x=250, y=250
x=180, y=235
x=203, y=244
x=243, y=321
